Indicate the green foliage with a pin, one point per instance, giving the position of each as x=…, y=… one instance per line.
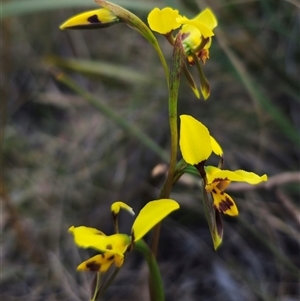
x=15, y=8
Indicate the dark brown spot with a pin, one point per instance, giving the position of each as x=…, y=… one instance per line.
x=93, y=266
x=203, y=43
x=225, y=205
x=218, y=180
x=111, y=257
x=185, y=35
x=214, y=191
x=93, y=19
x=219, y=223
x=229, y=201
x=109, y=247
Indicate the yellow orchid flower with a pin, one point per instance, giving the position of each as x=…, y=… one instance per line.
x=196, y=143
x=196, y=33
x=97, y=18
x=112, y=248
x=195, y=36
x=218, y=180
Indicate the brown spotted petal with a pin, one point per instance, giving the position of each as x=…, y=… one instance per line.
x=86, y=237
x=93, y=19
x=99, y=263
x=222, y=201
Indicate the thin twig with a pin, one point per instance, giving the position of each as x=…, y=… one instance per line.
x=288, y=205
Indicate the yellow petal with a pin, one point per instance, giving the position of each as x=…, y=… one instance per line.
x=163, y=21
x=216, y=148
x=91, y=19
x=191, y=37
x=251, y=177
x=83, y=236
x=152, y=214
x=222, y=201
x=203, y=29
x=117, y=206
x=237, y=176
x=86, y=237
x=207, y=18
x=99, y=263
x=195, y=142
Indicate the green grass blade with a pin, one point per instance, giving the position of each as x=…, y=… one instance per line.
x=108, y=112
x=257, y=94
x=16, y=7
x=102, y=69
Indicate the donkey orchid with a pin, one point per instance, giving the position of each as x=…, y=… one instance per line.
x=112, y=248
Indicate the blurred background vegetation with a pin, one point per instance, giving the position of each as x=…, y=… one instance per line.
x=65, y=158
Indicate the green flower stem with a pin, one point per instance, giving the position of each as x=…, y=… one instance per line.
x=177, y=64
x=121, y=122
x=179, y=170
x=186, y=71
x=108, y=282
x=97, y=286
x=116, y=224
x=157, y=291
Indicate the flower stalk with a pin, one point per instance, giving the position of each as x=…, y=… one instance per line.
x=157, y=291
x=177, y=64
x=97, y=286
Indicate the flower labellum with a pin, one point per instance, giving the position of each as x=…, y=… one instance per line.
x=218, y=180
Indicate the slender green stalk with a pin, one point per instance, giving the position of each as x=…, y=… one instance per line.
x=186, y=71
x=116, y=224
x=108, y=282
x=97, y=285
x=157, y=290
x=108, y=112
x=179, y=170
x=177, y=64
